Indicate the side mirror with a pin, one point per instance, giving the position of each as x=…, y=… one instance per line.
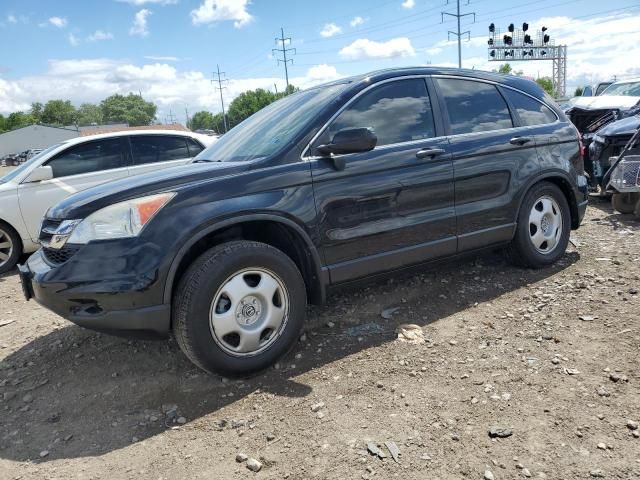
x=40, y=174
x=350, y=140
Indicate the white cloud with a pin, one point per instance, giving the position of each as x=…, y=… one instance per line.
x=434, y=50
x=12, y=19
x=408, y=4
x=99, y=35
x=139, y=26
x=162, y=58
x=92, y=80
x=59, y=22
x=73, y=40
x=139, y=3
x=212, y=11
x=364, y=48
x=357, y=21
x=329, y=30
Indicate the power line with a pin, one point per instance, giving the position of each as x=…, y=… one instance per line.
x=283, y=42
x=459, y=34
x=217, y=77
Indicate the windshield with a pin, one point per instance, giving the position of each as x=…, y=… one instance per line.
x=271, y=129
x=627, y=89
x=26, y=165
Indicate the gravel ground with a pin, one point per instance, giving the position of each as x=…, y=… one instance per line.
x=545, y=362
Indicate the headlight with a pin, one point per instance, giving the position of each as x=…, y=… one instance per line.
x=121, y=220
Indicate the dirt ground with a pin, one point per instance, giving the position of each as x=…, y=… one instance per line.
x=549, y=356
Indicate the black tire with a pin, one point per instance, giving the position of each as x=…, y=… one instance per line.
x=204, y=279
x=9, y=235
x=522, y=250
x=625, y=202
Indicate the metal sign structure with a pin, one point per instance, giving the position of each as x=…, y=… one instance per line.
x=520, y=45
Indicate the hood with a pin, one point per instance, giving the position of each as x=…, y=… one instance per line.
x=83, y=203
x=626, y=126
x=605, y=101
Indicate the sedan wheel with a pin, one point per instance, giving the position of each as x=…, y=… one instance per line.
x=10, y=248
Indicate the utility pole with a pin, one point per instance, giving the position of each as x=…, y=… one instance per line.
x=218, y=78
x=282, y=41
x=171, y=117
x=459, y=34
x=186, y=114
x=276, y=87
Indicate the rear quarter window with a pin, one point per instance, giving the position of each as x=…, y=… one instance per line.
x=530, y=111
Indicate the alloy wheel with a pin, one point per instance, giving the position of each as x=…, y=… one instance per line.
x=6, y=247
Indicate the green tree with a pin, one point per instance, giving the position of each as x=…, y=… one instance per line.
x=578, y=92
x=547, y=85
x=131, y=109
x=248, y=103
x=3, y=123
x=36, y=112
x=218, y=123
x=505, y=68
x=201, y=120
x=89, y=114
x=59, y=112
x=18, y=120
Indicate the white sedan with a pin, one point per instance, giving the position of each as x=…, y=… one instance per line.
x=27, y=192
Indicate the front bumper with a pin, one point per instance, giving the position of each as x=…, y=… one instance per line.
x=103, y=302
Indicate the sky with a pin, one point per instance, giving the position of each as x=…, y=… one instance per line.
x=167, y=50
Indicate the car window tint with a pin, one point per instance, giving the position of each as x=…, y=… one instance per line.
x=530, y=111
x=88, y=157
x=474, y=106
x=397, y=112
x=158, y=148
x=194, y=147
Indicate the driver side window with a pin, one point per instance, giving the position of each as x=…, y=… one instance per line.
x=397, y=112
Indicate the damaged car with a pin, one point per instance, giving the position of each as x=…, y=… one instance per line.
x=606, y=123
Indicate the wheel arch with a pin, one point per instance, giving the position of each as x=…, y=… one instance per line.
x=279, y=232
x=563, y=182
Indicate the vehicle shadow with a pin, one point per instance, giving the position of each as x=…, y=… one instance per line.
x=76, y=393
x=617, y=221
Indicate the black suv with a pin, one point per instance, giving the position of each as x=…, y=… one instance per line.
x=334, y=184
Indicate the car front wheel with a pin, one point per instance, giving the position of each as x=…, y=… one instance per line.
x=239, y=308
x=544, y=226
x=10, y=248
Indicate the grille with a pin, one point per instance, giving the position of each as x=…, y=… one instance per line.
x=58, y=257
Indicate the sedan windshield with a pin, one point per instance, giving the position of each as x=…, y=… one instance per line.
x=271, y=129
x=626, y=89
x=27, y=165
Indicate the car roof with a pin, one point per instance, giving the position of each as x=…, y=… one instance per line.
x=521, y=83
x=125, y=133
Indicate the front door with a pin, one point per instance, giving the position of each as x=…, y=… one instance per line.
x=394, y=205
x=75, y=169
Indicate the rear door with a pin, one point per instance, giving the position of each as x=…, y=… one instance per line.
x=394, y=205
x=75, y=169
x=153, y=152
x=492, y=160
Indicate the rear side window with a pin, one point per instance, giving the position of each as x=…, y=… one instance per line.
x=474, y=106
x=530, y=111
x=89, y=157
x=194, y=147
x=158, y=148
x=398, y=111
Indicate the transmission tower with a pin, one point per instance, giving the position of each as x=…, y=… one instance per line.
x=283, y=42
x=459, y=34
x=218, y=78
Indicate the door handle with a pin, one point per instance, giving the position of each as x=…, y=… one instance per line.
x=429, y=152
x=519, y=140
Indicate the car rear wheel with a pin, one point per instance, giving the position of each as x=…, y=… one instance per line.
x=544, y=226
x=10, y=248
x=239, y=307
x=625, y=202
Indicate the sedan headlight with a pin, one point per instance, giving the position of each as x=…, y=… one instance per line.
x=121, y=220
